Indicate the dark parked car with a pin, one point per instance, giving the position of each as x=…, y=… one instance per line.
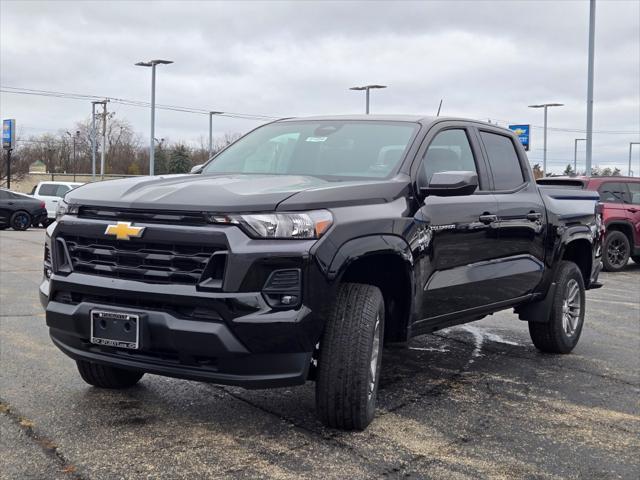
x=20, y=211
x=620, y=198
x=297, y=251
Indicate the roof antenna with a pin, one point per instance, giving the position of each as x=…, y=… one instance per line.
x=439, y=107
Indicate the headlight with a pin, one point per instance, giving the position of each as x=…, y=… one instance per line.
x=65, y=209
x=281, y=225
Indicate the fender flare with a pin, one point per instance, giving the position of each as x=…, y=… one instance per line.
x=360, y=247
x=540, y=310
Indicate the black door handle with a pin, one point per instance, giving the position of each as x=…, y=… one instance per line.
x=533, y=216
x=487, y=218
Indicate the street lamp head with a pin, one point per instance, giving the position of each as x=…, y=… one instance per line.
x=216, y=113
x=368, y=87
x=543, y=105
x=151, y=63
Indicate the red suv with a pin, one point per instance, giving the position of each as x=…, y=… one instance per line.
x=620, y=198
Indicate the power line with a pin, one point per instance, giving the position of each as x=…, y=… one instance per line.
x=569, y=130
x=128, y=102
x=245, y=116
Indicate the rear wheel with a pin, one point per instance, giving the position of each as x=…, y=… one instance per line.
x=20, y=220
x=616, y=251
x=560, y=334
x=104, y=376
x=350, y=358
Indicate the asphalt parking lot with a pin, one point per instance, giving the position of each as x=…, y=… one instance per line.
x=476, y=401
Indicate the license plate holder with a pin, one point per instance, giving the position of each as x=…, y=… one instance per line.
x=115, y=329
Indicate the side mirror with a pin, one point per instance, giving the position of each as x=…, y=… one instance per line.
x=196, y=169
x=451, y=184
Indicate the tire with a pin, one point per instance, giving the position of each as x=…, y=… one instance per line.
x=20, y=220
x=560, y=334
x=350, y=357
x=616, y=251
x=103, y=376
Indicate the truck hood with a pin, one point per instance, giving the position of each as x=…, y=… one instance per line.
x=227, y=193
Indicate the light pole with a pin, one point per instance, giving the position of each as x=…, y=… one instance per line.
x=544, y=156
x=575, y=154
x=211, y=114
x=366, y=88
x=631, y=144
x=152, y=64
x=592, y=34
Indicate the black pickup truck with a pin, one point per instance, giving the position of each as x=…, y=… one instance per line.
x=297, y=252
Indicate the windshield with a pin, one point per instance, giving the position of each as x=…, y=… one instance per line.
x=320, y=148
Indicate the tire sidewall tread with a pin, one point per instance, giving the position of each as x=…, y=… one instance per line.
x=549, y=336
x=344, y=359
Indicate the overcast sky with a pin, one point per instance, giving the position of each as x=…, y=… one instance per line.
x=487, y=60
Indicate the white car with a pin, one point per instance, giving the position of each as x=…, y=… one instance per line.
x=51, y=193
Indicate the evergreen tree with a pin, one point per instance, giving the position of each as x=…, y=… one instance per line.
x=180, y=161
x=160, y=161
x=569, y=171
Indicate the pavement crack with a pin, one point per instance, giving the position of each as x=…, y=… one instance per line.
x=331, y=437
x=47, y=445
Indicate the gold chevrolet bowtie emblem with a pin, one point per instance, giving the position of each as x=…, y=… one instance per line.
x=124, y=231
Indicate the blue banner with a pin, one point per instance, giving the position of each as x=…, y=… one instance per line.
x=522, y=131
x=8, y=133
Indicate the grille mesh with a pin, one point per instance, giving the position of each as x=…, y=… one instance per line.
x=142, y=261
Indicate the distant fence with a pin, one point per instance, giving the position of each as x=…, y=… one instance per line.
x=26, y=183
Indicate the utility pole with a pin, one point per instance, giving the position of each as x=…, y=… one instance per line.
x=544, y=156
x=575, y=154
x=93, y=141
x=75, y=163
x=631, y=144
x=211, y=114
x=592, y=34
x=366, y=88
x=153, y=64
x=103, y=154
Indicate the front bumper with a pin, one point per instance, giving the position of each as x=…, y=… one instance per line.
x=227, y=337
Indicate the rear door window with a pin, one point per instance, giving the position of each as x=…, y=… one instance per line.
x=62, y=189
x=634, y=190
x=613, y=192
x=503, y=160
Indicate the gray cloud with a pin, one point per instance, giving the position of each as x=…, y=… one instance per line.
x=486, y=59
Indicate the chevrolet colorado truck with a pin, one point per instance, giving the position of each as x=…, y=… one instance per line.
x=301, y=249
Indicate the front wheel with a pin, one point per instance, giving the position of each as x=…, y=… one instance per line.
x=104, y=376
x=616, y=251
x=561, y=332
x=20, y=220
x=350, y=358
